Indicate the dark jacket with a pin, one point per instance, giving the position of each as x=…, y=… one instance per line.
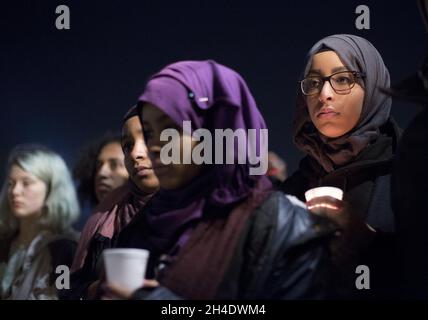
x=366, y=185
x=91, y=271
x=409, y=189
x=282, y=254
x=365, y=182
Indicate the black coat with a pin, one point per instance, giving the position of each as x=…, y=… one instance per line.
x=366, y=183
x=409, y=190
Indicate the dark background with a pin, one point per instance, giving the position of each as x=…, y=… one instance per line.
x=64, y=87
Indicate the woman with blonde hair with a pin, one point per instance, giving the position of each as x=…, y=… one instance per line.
x=38, y=205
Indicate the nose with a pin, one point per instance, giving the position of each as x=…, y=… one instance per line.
x=139, y=151
x=103, y=171
x=326, y=93
x=15, y=189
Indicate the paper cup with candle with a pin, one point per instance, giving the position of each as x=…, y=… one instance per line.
x=333, y=192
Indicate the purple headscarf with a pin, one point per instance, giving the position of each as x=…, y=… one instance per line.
x=357, y=54
x=211, y=96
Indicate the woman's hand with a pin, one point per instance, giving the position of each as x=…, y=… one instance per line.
x=116, y=292
x=355, y=234
x=339, y=212
x=330, y=208
x=92, y=291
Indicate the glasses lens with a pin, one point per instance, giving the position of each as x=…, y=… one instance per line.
x=342, y=81
x=311, y=85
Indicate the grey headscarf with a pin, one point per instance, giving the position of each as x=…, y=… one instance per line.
x=357, y=54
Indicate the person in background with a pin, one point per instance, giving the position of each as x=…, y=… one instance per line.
x=409, y=183
x=99, y=169
x=114, y=211
x=38, y=204
x=277, y=169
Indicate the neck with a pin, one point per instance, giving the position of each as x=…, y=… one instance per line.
x=28, y=230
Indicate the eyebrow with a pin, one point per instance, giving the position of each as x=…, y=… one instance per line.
x=334, y=70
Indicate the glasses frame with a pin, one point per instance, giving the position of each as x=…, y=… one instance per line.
x=356, y=75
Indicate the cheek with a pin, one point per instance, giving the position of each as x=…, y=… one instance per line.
x=181, y=174
x=129, y=165
x=36, y=197
x=312, y=104
x=353, y=108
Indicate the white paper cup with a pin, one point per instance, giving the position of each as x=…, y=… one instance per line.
x=126, y=267
x=322, y=192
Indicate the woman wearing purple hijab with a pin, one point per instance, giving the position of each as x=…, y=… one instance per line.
x=344, y=126
x=215, y=231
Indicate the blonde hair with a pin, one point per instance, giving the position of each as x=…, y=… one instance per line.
x=61, y=205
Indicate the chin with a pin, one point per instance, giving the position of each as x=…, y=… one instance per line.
x=21, y=214
x=18, y=214
x=332, y=135
x=331, y=131
x=146, y=184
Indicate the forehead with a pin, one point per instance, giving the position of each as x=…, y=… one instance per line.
x=17, y=172
x=326, y=62
x=132, y=125
x=111, y=150
x=152, y=114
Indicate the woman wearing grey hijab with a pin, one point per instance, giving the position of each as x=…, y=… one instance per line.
x=343, y=124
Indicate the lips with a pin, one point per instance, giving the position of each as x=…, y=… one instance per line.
x=16, y=204
x=143, y=171
x=327, y=113
x=103, y=187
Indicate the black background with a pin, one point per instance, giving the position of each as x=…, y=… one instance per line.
x=63, y=87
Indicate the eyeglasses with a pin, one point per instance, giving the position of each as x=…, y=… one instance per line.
x=342, y=82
